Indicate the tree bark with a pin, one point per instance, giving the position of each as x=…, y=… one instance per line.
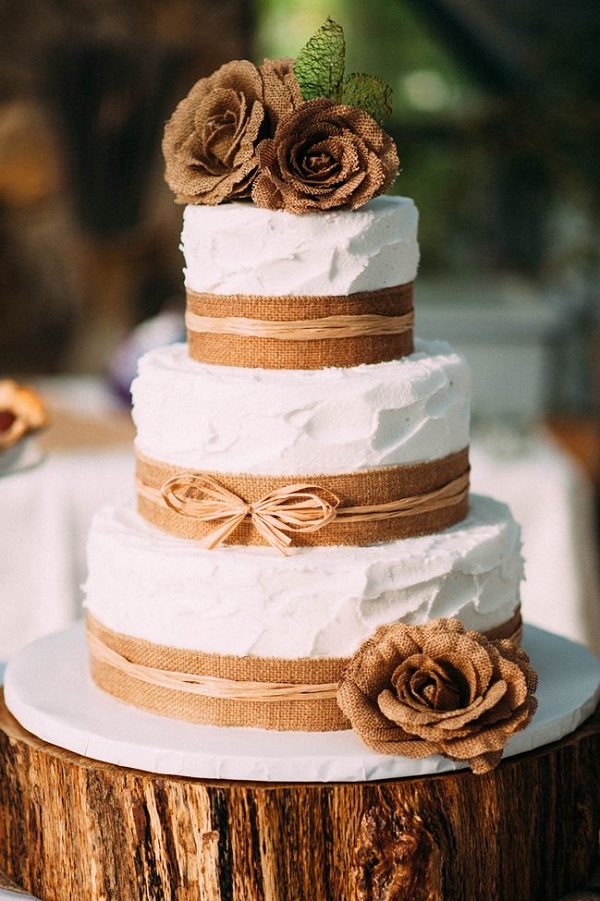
x=71, y=827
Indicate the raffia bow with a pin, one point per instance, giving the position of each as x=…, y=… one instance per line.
x=293, y=508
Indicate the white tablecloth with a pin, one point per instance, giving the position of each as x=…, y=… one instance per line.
x=554, y=503
x=45, y=516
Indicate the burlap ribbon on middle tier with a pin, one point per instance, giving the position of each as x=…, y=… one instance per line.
x=282, y=694
x=300, y=332
x=357, y=508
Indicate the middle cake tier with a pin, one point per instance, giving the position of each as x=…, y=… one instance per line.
x=281, y=422
x=320, y=457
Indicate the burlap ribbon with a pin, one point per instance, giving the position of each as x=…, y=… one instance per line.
x=300, y=332
x=358, y=508
x=227, y=690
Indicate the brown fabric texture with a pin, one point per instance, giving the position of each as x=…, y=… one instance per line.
x=282, y=716
x=272, y=353
x=324, y=156
x=372, y=488
x=315, y=713
x=211, y=139
x=438, y=689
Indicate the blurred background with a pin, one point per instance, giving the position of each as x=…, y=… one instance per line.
x=497, y=121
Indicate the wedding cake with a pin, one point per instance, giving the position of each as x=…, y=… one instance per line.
x=304, y=623
x=302, y=462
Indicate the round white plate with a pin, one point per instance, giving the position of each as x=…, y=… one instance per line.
x=49, y=690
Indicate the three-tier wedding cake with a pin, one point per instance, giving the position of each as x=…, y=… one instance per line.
x=304, y=623
x=302, y=463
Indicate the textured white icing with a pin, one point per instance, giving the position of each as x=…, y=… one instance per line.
x=317, y=602
x=237, y=248
x=303, y=421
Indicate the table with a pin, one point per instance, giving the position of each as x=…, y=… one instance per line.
x=553, y=501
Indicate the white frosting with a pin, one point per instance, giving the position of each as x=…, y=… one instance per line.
x=303, y=421
x=237, y=248
x=320, y=601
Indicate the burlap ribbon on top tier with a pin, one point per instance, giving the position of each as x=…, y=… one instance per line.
x=357, y=508
x=226, y=690
x=300, y=332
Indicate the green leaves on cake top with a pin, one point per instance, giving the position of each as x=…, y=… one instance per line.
x=368, y=93
x=319, y=69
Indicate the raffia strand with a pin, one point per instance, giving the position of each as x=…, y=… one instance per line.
x=302, y=329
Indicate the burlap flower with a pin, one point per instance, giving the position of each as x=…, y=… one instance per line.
x=21, y=412
x=437, y=689
x=324, y=156
x=210, y=141
x=281, y=91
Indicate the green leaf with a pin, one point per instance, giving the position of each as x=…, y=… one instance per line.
x=368, y=93
x=319, y=67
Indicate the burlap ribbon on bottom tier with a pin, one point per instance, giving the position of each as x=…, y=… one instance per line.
x=356, y=508
x=226, y=690
x=302, y=331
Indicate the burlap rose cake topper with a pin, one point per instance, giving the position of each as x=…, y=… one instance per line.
x=331, y=152
x=296, y=136
x=211, y=139
x=438, y=689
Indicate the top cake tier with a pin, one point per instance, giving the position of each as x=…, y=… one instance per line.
x=238, y=248
x=269, y=289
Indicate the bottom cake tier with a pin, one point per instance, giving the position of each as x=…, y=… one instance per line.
x=317, y=602
x=49, y=690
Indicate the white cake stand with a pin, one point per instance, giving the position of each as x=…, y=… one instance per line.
x=49, y=691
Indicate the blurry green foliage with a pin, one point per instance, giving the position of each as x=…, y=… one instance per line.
x=496, y=127
x=383, y=37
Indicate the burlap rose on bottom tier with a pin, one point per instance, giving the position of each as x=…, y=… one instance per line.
x=437, y=689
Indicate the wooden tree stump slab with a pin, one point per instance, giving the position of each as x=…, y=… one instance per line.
x=73, y=828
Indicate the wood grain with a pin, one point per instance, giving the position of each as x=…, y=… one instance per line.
x=73, y=828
